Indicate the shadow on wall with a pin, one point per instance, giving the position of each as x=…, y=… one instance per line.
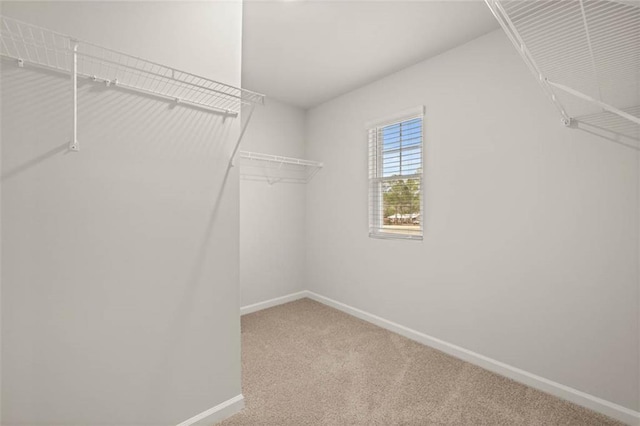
x=625, y=138
x=620, y=138
x=145, y=192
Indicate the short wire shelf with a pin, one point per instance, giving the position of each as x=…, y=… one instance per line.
x=277, y=168
x=606, y=120
x=584, y=53
x=41, y=47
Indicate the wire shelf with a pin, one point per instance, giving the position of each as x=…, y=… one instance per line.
x=614, y=123
x=41, y=47
x=585, y=53
x=276, y=168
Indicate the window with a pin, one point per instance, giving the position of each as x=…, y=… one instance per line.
x=395, y=176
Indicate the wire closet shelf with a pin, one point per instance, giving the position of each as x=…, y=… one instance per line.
x=585, y=55
x=276, y=168
x=41, y=47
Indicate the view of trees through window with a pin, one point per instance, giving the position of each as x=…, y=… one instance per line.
x=402, y=175
x=401, y=202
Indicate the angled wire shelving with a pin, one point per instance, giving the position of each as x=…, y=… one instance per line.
x=276, y=168
x=32, y=45
x=585, y=55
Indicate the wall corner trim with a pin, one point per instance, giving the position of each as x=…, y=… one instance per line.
x=273, y=302
x=584, y=399
x=219, y=412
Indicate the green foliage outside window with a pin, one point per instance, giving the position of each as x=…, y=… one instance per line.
x=401, y=201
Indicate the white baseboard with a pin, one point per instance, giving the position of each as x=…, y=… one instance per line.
x=218, y=413
x=273, y=302
x=594, y=403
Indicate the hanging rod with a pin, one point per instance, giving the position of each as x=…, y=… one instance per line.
x=277, y=168
x=278, y=159
x=40, y=47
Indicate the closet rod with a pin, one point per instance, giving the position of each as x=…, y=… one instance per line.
x=116, y=83
x=43, y=48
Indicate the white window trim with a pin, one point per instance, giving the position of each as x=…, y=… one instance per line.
x=397, y=117
x=405, y=115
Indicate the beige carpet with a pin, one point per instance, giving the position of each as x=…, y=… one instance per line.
x=307, y=364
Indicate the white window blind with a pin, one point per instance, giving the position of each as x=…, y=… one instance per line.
x=395, y=177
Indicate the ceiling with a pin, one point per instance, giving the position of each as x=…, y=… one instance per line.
x=307, y=52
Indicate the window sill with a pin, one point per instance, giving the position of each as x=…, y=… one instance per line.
x=394, y=236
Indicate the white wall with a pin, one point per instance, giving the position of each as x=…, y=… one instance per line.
x=272, y=217
x=120, y=262
x=530, y=252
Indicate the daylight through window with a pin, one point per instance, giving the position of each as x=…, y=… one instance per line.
x=395, y=179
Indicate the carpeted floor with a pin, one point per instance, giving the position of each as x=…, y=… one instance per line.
x=308, y=364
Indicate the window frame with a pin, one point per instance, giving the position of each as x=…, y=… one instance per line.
x=375, y=200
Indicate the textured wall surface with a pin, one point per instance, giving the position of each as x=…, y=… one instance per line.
x=272, y=216
x=530, y=251
x=120, y=262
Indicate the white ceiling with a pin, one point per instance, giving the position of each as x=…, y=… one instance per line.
x=307, y=52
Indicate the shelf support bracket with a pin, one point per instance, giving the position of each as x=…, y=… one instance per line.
x=591, y=54
x=510, y=30
x=73, y=144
